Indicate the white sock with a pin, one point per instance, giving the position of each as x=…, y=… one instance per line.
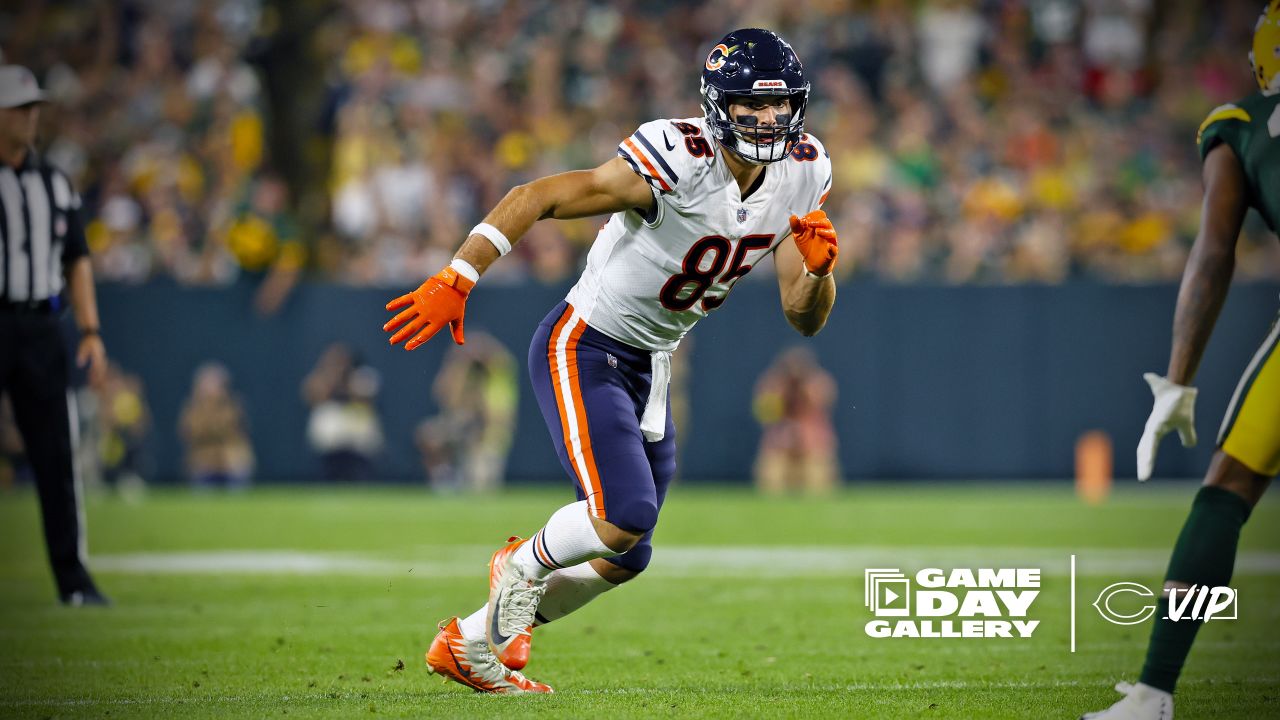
x=566, y=540
x=567, y=591
x=473, y=625
x=570, y=589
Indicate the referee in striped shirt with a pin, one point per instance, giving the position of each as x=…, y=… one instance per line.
x=44, y=264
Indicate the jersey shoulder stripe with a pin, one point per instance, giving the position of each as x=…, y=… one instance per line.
x=658, y=152
x=1224, y=124
x=648, y=161
x=675, y=179
x=630, y=151
x=1220, y=113
x=635, y=167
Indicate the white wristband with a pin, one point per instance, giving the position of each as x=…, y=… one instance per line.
x=495, y=236
x=465, y=269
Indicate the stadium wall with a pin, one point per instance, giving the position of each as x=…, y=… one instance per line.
x=934, y=382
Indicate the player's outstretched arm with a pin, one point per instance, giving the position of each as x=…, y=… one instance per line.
x=1204, y=288
x=441, y=300
x=1211, y=263
x=604, y=190
x=804, y=272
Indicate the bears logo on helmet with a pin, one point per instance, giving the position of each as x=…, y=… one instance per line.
x=716, y=59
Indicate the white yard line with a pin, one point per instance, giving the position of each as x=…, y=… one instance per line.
x=679, y=561
x=244, y=562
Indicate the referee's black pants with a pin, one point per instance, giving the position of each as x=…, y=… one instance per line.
x=33, y=372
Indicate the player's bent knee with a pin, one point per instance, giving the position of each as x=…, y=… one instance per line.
x=613, y=572
x=615, y=538
x=634, y=517
x=631, y=563
x=624, y=531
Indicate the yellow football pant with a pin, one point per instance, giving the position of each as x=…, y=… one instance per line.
x=1251, y=429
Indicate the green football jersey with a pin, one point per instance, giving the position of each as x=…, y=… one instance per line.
x=1250, y=128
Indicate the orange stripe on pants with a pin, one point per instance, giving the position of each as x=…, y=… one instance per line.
x=579, y=444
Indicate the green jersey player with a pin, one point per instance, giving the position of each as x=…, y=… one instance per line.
x=1241, y=153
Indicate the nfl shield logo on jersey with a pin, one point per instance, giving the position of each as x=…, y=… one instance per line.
x=742, y=215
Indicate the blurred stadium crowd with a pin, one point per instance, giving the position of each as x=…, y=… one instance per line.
x=974, y=141
x=464, y=447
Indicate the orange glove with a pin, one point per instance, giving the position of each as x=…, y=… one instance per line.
x=441, y=299
x=816, y=239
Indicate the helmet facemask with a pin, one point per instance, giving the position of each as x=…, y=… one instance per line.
x=754, y=143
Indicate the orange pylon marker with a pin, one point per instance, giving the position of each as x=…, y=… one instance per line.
x=1093, y=467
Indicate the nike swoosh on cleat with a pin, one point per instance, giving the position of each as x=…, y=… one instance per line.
x=667, y=142
x=498, y=637
x=465, y=672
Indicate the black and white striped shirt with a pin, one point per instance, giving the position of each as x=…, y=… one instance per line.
x=41, y=233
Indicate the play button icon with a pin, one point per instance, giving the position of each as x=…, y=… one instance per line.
x=888, y=592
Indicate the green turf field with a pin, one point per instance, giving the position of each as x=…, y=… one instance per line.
x=309, y=601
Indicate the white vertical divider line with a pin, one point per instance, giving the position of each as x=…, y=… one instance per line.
x=1073, y=603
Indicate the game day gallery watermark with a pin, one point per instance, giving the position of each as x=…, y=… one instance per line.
x=998, y=603
x=960, y=603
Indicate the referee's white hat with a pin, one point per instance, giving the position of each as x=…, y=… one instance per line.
x=18, y=87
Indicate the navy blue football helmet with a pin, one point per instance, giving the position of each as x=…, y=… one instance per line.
x=754, y=62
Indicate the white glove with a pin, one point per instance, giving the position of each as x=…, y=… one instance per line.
x=1174, y=409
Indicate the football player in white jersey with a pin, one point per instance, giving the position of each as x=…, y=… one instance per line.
x=695, y=204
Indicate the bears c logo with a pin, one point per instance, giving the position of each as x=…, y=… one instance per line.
x=716, y=59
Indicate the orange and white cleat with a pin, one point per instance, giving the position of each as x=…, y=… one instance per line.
x=513, y=607
x=515, y=652
x=471, y=663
